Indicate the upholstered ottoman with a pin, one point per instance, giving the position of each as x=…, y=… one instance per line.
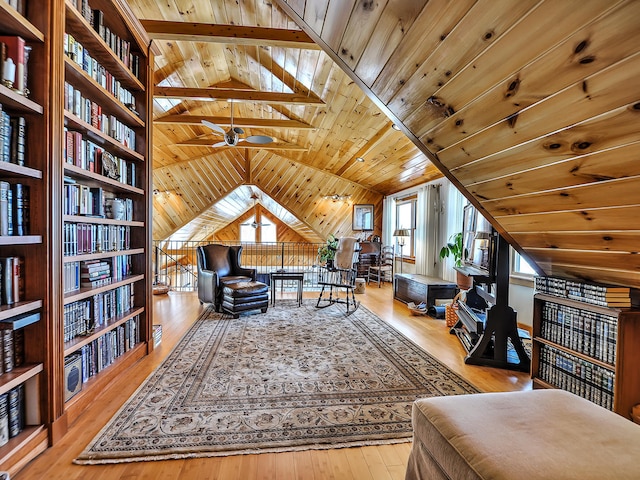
x=539, y=434
x=243, y=296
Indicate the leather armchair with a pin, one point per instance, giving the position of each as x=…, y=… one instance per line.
x=219, y=265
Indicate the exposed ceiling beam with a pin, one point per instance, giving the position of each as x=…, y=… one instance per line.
x=210, y=93
x=240, y=122
x=239, y=35
x=207, y=142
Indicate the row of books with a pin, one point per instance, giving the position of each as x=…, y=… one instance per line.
x=91, y=113
x=14, y=209
x=19, y=5
x=82, y=317
x=570, y=373
x=85, y=238
x=12, y=414
x=590, y=333
x=11, y=349
x=13, y=137
x=593, y=293
x=12, y=288
x=92, y=201
x=83, y=200
x=87, y=155
x=119, y=46
x=14, y=57
x=102, y=352
x=80, y=56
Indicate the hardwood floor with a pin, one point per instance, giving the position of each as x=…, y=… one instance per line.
x=176, y=312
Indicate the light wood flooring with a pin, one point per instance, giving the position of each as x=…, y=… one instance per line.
x=176, y=312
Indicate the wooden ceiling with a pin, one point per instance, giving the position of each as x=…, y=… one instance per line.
x=530, y=107
x=282, y=85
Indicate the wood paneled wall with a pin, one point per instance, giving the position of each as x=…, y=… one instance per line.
x=531, y=108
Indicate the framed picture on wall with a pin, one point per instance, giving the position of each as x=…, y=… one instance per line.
x=362, y=217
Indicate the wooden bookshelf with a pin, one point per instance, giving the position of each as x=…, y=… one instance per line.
x=578, y=338
x=77, y=26
x=42, y=373
x=31, y=376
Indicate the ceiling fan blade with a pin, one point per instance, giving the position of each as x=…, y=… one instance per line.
x=213, y=126
x=259, y=139
x=238, y=130
x=219, y=144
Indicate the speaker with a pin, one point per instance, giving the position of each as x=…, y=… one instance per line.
x=72, y=376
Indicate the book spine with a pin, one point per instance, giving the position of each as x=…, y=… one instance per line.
x=16, y=412
x=7, y=350
x=4, y=208
x=4, y=419
x=7, y=281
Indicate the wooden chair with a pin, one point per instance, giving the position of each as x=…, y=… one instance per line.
x=341, y=276
x=383, y=270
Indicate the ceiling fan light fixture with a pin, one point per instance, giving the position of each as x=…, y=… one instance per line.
x=336, y=197
x=231, y=136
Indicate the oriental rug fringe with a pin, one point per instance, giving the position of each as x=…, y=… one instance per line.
x=291, y=379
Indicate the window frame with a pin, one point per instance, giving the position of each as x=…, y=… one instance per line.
x=411, y=243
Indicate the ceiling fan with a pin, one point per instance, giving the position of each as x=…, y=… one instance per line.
x=255, y=224
x=232, y=136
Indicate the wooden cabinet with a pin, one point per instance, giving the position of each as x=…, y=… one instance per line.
x=30, y=244
x=586, y=349
x=104, y=322
x=369, y=254
x=419, y=288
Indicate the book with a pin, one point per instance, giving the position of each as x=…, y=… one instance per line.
x=4, y=419
x=4, y=208
x=7, y=350
x=9, y=211
x=6, y=281
x=5, y=146
x=20, y=205
x=16, y=411
x=18, y=140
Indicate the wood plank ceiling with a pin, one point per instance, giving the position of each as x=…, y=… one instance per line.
x=282, y=85
x=531, y=107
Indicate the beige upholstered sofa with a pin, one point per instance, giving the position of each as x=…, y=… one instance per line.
x=532, y=435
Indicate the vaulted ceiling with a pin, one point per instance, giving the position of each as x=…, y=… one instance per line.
x=529, y=106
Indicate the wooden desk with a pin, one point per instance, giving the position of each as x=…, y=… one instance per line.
x=282, y=276
x=419, y=288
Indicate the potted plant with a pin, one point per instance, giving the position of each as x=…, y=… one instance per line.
x=455, y=249
x=327, y=252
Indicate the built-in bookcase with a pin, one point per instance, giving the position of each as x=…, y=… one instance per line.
x=24, y=323
x=104, y=320
x=67, y=340
x=585, y=348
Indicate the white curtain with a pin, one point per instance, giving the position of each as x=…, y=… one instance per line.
x=427, y=230
x=452, y=205
x=389, y=220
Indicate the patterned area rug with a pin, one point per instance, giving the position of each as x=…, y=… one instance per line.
x=291, y=379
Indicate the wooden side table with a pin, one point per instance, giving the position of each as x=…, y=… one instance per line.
x=282, y=276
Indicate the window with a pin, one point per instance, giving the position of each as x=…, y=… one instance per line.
x=268, y=232
x=247, y=232
x=519, y=266
x=406, y=219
